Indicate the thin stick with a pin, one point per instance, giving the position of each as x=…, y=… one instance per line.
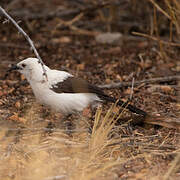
x=128, y=84
x=132, y=89
x=56, y=177
x=74, y=28
x=27, y=38
x=160, y=9
x=156, y=39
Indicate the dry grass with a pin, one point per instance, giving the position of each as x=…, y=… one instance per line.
x=29, y=152
x=33, y=154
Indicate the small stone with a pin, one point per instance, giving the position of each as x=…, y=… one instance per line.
x=109, y=38
x=1, y=93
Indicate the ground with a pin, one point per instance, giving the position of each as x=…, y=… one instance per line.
x=112, y=149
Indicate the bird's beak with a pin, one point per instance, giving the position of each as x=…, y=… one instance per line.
x=13, y=68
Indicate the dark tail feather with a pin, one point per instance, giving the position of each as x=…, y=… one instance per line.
x=131, y=108
x=125, y=105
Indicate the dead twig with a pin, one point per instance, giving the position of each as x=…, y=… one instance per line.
x=160, y=9
x=136, y=83
x=156, y=39
x=27, y=38
x=132, y=89
x=74, y=28
x=68, y=23
x=83, y=31
x=56, y=177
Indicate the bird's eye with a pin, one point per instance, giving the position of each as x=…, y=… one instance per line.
x=23, y=65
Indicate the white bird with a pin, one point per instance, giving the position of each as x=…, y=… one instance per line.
x=62, y=91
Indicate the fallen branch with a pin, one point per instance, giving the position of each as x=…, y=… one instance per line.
x=169, y=122
x=27, y=38
x=70, y=13
x=136, y=83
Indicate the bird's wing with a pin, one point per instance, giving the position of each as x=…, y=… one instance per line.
x=64, y=82
x=67, y=83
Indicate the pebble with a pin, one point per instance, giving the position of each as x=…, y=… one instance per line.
x=109, y=38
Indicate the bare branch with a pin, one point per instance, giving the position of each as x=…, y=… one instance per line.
x=156, y=39
x=128, y=84
x=27, y=38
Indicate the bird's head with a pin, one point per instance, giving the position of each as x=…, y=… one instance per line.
x=31, y=68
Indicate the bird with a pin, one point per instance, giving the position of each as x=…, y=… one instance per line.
x=62, y=91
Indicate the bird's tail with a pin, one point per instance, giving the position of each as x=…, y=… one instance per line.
x=125, y=105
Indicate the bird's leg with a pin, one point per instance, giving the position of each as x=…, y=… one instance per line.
x=64, y=124
x=67, y=123
x=51, y=124
x=49, y=128
x=53, y=121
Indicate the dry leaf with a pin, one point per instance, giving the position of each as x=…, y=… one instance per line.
x=81, y=66
x=22, y=120
x=87, y=112
x=63, y=39
x=108, y=81
x=1, y=103
x=10, y=91
x=16, y=118
x=1, y=93
x=115, y=110
x=167, y=89
x=162, y=88
x=128, y=91
x=178, y=106
x=17, y=104
x=22, y=77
